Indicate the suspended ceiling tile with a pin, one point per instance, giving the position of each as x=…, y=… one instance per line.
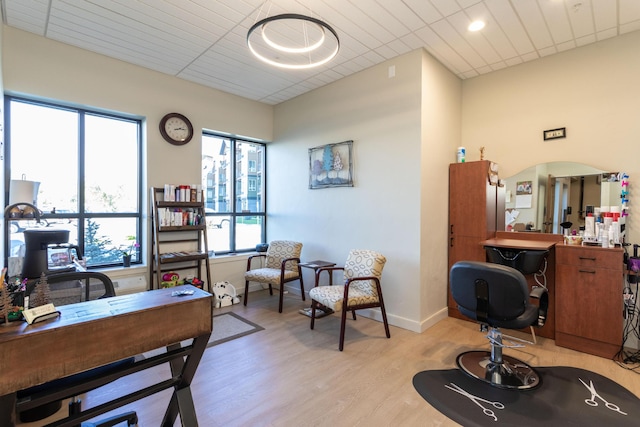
x=511, y=26
x=449, y=34
x=605, y=14
x=205, y=41
x=534, y=23
x=403, y=12
x=582, y=21
x=555, y=16
x=446, y=7
x=30, y=16
x=425, y=10
x=629, y=11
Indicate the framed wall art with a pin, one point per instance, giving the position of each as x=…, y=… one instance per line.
x=331, y=165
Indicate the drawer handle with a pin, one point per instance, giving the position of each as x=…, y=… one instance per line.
x=451, y=242
x=587, y=258
x=587, y=271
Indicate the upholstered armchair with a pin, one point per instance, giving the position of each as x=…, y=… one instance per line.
x=497, y=296
x=281, y=265
x=361, y=289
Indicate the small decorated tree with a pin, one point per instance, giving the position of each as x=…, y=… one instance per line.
x=42, y=293
x=327, y=159
x=5, y=302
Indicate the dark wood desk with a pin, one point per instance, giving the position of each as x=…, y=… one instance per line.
x=99, y=332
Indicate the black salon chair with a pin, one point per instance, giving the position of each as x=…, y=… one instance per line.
x=497, y=296
x=68, y=288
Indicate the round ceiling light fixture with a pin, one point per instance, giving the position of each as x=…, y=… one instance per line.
x=293, y=41
x=476, y=26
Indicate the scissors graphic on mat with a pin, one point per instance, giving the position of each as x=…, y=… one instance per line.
x=475, y=399
x=592, y=401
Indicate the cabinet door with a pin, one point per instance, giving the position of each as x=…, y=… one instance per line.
x=472, y=200
x=589, y=303
x=462, y=248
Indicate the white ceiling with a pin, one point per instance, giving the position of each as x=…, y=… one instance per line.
x=204, y=41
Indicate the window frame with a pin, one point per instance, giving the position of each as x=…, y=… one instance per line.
x=231, y=193
x=82, y=215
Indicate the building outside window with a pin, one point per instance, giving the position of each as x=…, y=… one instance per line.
x=233, y=175
x=89, y=167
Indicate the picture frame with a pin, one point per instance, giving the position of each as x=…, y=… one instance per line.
x=331, y=165
x=554, y=134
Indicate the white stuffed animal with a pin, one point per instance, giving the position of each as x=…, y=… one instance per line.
x=225, y=294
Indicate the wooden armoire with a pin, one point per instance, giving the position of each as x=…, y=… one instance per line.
x=476, y=211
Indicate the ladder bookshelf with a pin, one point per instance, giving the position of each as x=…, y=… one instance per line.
x=178, y=239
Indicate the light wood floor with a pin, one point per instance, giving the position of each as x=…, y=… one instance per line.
x=288, y=375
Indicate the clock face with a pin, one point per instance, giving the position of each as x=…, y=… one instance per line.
x=176, y=129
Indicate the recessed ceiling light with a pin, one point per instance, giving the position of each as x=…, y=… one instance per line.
x=476, y=26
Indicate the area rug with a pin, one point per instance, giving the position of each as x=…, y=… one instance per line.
x=226, y=327
x=230, y=326
x=561, y=400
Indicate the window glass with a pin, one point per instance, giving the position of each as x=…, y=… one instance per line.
x=219, y=233
x=216, y=163
x=89, y=169
x=228, y=202
x=111, y=171
x=46, y=153
x=249, y=232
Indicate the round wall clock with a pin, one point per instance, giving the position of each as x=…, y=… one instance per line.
x=176, y=129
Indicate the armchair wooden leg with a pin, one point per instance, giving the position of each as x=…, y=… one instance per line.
x=302, y=288
x=314, y=305
x=342, y=326
x=281, y=297
x=246, y=291
x=384, y=317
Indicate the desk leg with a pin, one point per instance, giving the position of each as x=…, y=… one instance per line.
x=8, y=410
x=182, y=399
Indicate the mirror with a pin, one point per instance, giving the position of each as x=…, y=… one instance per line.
x=545, y=197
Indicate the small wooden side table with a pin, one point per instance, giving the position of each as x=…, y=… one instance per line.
x=315, y=266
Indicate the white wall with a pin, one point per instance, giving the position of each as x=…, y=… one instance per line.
x=593, y=91
x=399, y=170
x=441, y=124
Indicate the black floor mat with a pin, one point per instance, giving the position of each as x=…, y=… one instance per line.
x=560, y=400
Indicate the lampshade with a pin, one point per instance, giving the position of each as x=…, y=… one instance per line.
x=23, y=191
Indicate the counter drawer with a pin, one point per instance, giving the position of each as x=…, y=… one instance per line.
x=588, y=303
x=590, y=257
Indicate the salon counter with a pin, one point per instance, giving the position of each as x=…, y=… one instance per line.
x=516, y=241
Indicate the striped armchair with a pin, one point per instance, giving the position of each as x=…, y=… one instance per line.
x=361, y=289
x=280, y=266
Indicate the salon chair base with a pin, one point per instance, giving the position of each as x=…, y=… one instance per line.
x=510, y=374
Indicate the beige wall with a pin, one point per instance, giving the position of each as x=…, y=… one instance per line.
x=405, y=130
x=593, y=91
x=39, y=67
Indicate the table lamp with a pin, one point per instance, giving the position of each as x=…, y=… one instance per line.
x=23, y=197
